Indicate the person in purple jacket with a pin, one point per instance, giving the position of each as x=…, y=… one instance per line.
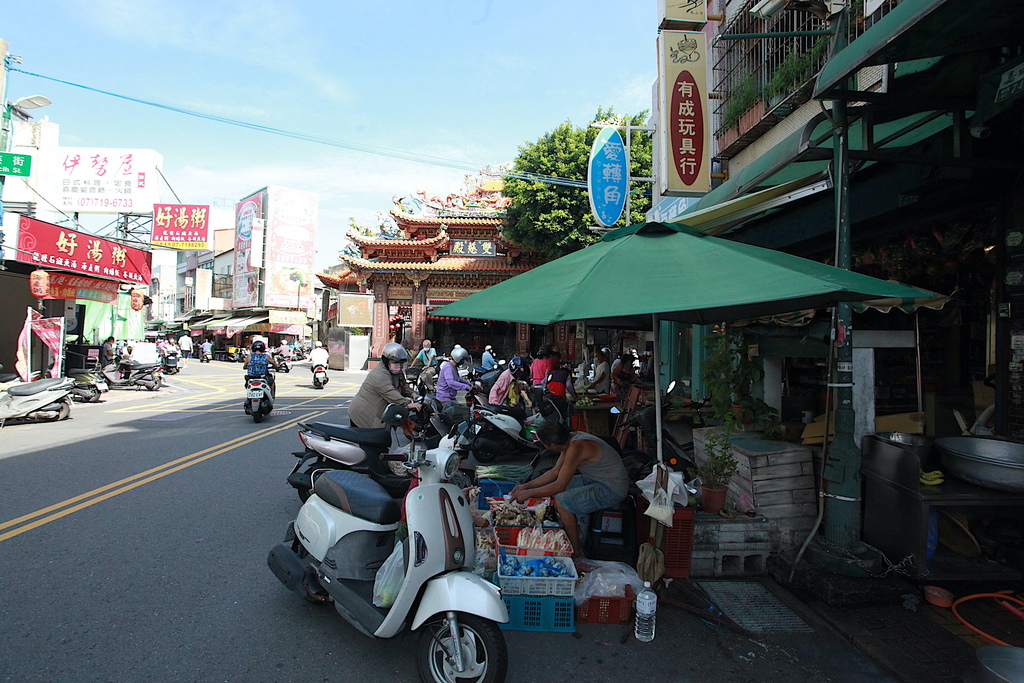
x=448, y=381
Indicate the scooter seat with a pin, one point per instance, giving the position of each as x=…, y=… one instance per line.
x=379, y=438
x=358, y=495
x=32, y=388
x=78, y=372
x=143, y=366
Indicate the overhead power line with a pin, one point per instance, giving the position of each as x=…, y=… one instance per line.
x=358, y=147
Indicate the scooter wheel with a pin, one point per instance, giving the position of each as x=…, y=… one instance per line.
x=257, y=417
x=484, y=652
x=156, y=385
x=65, y=410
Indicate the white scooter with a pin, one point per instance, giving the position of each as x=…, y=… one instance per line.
x=320, y=378
x=346, y=531
x=45, y=400
x=259, y=396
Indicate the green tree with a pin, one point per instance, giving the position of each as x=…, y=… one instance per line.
x=555, y=219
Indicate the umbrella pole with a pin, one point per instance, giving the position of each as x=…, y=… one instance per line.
x=657, y=388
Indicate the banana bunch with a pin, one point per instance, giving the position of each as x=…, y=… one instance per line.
x=933, y=478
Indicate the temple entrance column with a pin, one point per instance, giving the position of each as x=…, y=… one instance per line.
x=522, y=338
x=419, y=313
x=381, y=333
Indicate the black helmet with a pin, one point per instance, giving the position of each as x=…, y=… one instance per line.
x=518, y=367
x=544, y=351
x=395, y=352
x=460, y=355
x=259, y=347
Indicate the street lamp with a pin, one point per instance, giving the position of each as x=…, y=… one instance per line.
x=18, y=108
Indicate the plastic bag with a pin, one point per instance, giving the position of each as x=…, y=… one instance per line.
x=605, y=579
x=676, y=484
x=389, y=577
x=661, y=507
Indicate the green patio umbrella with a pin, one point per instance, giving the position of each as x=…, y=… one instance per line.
x=641, y=273
x=675, y=271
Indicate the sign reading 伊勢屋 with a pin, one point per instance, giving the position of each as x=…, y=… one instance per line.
x=46, y=244
x=683, y=114
x=99, y=180
x=181, y=226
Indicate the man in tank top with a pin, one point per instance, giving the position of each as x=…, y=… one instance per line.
x=587, y=477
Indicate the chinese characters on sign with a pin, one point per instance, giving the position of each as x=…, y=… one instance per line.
x=67, y=286
x=42, y=243
x=291, y=235
x=608, y=177
x=246, y=282
x=15, y=164
x=98, y=180
x=683, y=107
x=181, y=226
x=688, y=15
x=472, y=248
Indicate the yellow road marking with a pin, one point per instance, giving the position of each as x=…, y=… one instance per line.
x=137, y=480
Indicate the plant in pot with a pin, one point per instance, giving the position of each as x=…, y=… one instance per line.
x=729, y=376
x=716, y=472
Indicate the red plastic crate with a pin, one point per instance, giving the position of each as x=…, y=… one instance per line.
x=607, y=610
x=677, y=542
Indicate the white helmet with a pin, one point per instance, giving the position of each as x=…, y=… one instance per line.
x=460, y=355
x=318, y=343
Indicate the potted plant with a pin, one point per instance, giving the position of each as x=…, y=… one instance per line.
x=716, y=472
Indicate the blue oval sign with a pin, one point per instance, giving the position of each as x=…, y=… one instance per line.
x=608, y=177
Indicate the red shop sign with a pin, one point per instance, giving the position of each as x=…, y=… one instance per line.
x=42, y=243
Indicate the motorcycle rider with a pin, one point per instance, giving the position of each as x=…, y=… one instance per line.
x=318, y=356
x=487, y=361
x=384, y=384
x=448, y=381
x=208, y=348
x=258, y=364
x=511, y=388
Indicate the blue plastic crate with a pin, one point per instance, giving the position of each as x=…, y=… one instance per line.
x=492, y=488
x=554, y=615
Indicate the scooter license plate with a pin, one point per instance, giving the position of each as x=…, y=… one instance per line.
x=102, y=386
x=255, y=393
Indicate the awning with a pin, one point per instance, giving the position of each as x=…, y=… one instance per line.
x=717, y=219
x=808, y=152
x=917, y=29
x=208, y=324
x=225, y=323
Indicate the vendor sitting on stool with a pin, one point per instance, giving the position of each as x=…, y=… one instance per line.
x=587, y=477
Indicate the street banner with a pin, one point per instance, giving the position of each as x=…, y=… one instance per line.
x=45, y=244
x=22, y=364
x=246, y=277
x=51, y=331
x=71, y=287
x=181, y=226
x=683, y=114
x=291, y=221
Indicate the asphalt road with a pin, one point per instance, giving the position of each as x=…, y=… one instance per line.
x=133, y=544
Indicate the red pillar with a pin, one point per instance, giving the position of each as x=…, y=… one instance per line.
x=381, y=333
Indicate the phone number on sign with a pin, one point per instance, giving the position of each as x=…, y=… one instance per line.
x=102, y=202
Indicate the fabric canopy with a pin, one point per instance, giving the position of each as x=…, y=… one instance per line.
x=675, y=271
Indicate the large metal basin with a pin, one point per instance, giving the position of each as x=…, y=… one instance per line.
x=992, y=463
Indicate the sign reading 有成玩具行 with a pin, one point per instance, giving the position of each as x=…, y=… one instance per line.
x=181, y=226
x=683, y=114
x=608, y=177
x=46, y=244
x=99, y=180
x=472, y=248
x=15, y=164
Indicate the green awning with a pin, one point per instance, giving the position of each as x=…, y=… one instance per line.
x=808, y=152
x=916, y=29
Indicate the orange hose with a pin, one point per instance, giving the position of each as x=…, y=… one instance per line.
x=1000, y=596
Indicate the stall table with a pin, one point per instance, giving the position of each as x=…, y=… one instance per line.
x=594, y=419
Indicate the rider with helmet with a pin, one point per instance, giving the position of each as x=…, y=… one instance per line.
x=510, y=388
x=385, y=384
x=318, y=356
x=448, y=381
x=259, y=362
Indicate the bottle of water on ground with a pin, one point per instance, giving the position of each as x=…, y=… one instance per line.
x=646, y=614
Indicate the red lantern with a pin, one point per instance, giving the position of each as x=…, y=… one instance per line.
x=138, y=300
x=39, y=283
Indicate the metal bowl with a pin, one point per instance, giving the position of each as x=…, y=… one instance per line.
x=921, y=446
x=992, y=463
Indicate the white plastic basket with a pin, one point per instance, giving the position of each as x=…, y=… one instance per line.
x=540, y=585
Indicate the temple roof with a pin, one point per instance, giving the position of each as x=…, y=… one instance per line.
x=401, y=217
x=363, y=241
x=345, y=277
x=486, y=264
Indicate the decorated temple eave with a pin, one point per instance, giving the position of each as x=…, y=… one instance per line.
x=449, y=264
x=491, y=220
x=345, y=277
x=404, y=244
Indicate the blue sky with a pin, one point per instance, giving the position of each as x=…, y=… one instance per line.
x=468, y=81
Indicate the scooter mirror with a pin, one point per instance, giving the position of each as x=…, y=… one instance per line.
x=615, y=410
x=394, y=415
x=670, y=387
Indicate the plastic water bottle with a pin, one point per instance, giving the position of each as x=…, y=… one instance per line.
x=646, y=614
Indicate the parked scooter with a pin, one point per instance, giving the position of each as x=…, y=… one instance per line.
x=320, y=377
x=331, y=447
x=259, y=396
x=133, y=374
x=89, y=385
x=44, y=400
x=347, y=530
